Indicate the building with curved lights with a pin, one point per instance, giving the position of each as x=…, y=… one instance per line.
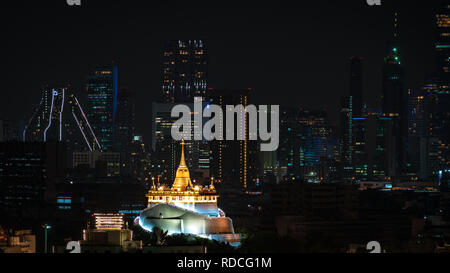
x=189, y=209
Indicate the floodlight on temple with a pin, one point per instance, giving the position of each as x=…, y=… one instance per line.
x=187, y=208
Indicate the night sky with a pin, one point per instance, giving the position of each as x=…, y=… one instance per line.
x=290, y=53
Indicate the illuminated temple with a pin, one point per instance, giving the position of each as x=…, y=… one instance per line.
x=185, y=208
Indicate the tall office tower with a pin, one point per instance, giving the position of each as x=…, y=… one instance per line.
x=60, y=117
x=356, y=85
x=28, y=173
x=184, y=71
x=443, y=45
x=101, y=91
x=346, y=135
x=124, y=128
x=316, y=133
x=441, y=120
x=359, y=154
x=373, y=152
x=395, y=98
x=140, y=160
x=305, y=143
x=419, y=115
x=234, y=162
x=291, y=140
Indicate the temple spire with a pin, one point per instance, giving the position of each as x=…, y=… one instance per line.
x=182, y=161
x=212, y=183
x=153, y=183
x=182, y=180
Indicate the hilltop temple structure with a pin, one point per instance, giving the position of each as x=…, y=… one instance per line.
x=189, y=209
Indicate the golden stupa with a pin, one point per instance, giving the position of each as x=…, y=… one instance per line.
x=183, y=192
x=182, y=180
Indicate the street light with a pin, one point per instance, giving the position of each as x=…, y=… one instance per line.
x=46, y=227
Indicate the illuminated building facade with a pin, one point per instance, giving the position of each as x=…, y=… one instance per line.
x=443, y=45
x=184, y=71
x=101, y=91
x=110, y=235
x=60, y=117
x=305, y=143
x=234, y=162
x=346, y=133
x=187, y=208
x=441, y=120
x=394, y=98
x=21, y=241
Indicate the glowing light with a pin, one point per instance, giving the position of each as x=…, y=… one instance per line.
x=54, y=93
x=87, y=121
x=87, y=142
x=108, y=221
x=60, y=116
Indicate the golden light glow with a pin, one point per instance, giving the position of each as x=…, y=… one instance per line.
x=182, y=192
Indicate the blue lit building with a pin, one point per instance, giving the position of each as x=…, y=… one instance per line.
x=101, y=91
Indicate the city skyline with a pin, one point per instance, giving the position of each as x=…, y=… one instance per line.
x=320, y=128
x=234, y=54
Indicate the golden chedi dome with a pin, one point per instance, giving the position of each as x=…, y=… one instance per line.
x=182, y=180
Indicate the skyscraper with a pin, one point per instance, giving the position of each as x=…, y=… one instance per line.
x=101, y=91
x=29, y=172
x=346, y=133
x=443, y=45
x=395, y=98
x=235, y=162
x=124, y=128
x=60, y=117
x=184, y=71
x=441, y=117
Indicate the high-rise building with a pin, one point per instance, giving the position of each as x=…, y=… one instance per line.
x=305, y=145
x=140, y=163
x=441, y=117
x=124, y=128
x=235, y=162
x=373, y=150
x=419, y=135
x=346, y=135
x=28, y=173
x=291, y=139
x=101, y=91
x=184, y=71
x=60, y=117
x=442, y=45
x=395, y=98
